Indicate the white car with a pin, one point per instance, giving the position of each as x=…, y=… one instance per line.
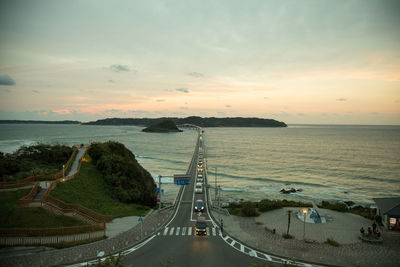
x=198, y=188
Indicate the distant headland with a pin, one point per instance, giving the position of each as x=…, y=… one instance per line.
x=146, y=122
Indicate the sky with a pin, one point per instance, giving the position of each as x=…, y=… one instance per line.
x=311, y=61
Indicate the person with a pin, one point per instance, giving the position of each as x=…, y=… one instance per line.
x=362, y=231
x=222, y=226
x=369, y=231
x=378, y=234
x=374, y=227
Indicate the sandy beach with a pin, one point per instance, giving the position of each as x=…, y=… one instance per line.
x=343, y=228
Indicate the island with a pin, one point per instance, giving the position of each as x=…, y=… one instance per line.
x=199, y=121
x=165, y=126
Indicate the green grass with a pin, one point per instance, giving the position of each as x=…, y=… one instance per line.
x=14, y=216
x=89, y=190
x=287, y=236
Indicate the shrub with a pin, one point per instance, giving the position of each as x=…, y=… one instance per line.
x=332, y=242
x=266, y=205
x=248, y=209
x=334, y=206
x=287, y=236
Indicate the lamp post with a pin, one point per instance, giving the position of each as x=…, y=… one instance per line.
x=305, y=211
x=159, y=191
x=63, y=171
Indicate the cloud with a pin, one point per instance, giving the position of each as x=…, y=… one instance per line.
x=160, y=100
x=119, y=68
x=265, y=97
x=111, y=81
x=184, y=108
x=228, y=106
x=341, y=99
x=6, y=80
x=183, y=90
x=195, y=74
x=35, y=91
x=6, y=90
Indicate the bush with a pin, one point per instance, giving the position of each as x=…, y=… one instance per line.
x=249, y=209
x=332, y=242
x=287, y=236
x=334, y=206
x=266, y=205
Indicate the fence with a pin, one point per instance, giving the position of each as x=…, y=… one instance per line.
x=47, y=240
x=31, y=179
x=28, y=198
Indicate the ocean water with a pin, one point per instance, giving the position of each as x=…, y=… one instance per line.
x=327, y=162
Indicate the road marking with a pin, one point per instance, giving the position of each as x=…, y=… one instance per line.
x=177, y=230
x=241, y=247
x=189, y=231
x=183, y=230
x=172, y=231
x=179, y=204
x=208, y=230
x=165, y=231
x=213, y=231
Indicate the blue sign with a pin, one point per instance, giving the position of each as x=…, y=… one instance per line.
x=162, y=191
x=157, y=190
x=182, y=182
x=140, y=219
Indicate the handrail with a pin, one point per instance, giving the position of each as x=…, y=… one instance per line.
x=26, y=199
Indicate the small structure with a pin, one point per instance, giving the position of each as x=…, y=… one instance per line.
x=389, y=210
x=311, y=216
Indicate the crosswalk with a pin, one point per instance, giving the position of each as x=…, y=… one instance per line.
x=187, y=231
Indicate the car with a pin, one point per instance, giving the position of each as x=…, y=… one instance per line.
x=199, y=175
x=201, y=226
x=198, y=188
x=199, y=179
x=199, y=205
x=200, y=170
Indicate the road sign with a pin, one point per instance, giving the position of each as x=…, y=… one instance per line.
x=140, y=219
x=182, y=182
x=157, y=190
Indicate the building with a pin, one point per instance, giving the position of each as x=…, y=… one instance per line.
x=389, y=210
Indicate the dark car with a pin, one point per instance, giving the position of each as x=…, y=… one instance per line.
x=199, y=205
x=201, y=226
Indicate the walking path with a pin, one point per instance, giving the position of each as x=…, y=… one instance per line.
x=344, y=229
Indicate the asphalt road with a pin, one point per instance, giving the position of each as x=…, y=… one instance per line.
x=177, y=240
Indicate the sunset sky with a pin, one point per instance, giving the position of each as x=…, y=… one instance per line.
x=331, y=62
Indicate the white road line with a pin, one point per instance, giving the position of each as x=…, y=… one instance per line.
x=241, y=247
x=179, y=204
x=178, y=229
x=172, y=231
x=165, y=231
x=213, y=231
x=232, y=243
x=189, y=231
x=208, y=230
x=267, y=257
x=183, y=230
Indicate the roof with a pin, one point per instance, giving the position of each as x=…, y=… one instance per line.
x=389, y=205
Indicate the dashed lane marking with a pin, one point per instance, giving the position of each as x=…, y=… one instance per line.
x=172, y=231
x=165, y=231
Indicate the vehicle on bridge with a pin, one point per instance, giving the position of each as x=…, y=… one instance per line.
x=199, y=205
x=201, y=226
x=198, y=188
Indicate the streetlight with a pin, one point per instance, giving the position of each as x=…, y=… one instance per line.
x=305, y=211
x=159, y=191
x=63, y=170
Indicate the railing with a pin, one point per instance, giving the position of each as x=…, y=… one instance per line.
x=59, y=231
x=78, y=208
x=28, y=198
x=43, y=177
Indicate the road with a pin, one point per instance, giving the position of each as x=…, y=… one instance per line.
x=177, y=240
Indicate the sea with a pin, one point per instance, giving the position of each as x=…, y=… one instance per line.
x=326, y=162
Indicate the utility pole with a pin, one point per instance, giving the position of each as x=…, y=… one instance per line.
x=159, y=191
x=63, y=171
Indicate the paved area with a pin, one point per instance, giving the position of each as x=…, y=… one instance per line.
x=344, y=229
